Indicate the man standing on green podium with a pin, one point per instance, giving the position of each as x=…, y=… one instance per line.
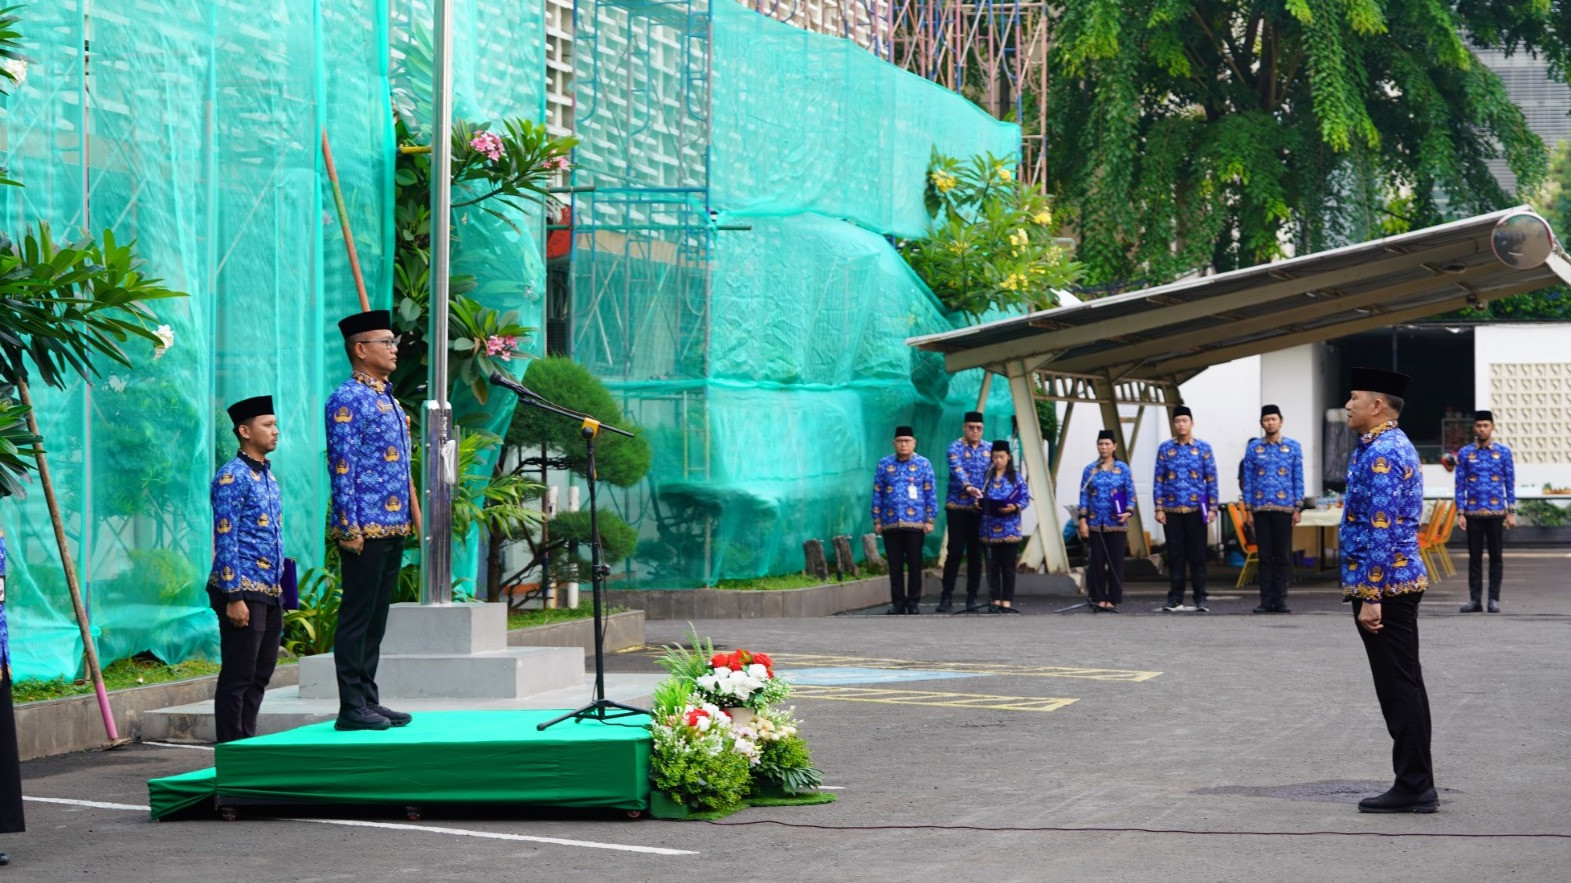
x=374, y=508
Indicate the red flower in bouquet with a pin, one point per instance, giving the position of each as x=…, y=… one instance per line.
x=694, y=716
x=764, y=660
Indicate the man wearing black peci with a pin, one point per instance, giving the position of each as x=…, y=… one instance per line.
x=904, y=507
x=1384, y=577
x=374, y=508
x=1486, y=506
x=969, y=460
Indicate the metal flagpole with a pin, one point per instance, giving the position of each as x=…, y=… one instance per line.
x=440, y=451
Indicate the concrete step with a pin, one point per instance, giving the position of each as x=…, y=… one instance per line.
x=284, y=708
x=510, y=673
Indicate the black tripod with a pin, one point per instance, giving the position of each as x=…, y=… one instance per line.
x=599, y=708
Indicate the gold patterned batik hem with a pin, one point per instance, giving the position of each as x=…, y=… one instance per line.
x=246, y=585
x=1288, y=509
x=999, y=541
x=372, y=532
x=956, y=507
x=1122, y=528
x=911, y=525
x=1179, y=510
x=1380, y=593
x=1486, y=513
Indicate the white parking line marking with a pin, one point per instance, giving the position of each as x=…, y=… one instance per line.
x=461, y=832
x=493, y=835
x=179, y=745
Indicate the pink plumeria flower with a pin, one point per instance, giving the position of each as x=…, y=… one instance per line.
x=489, y=144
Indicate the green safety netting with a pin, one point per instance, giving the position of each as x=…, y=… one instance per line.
x=733, y=279
x=197, y=135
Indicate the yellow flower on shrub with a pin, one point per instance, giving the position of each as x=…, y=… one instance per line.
x=1003, y=173
x=943, y=182
x=1042, y=218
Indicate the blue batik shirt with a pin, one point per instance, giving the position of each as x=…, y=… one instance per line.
x=368, y=458
x=1380, y=518
x=1185, y=477
x=903, y=493
x=1003, y=528
x=967, y=466
x=248, y=534
x=1485, y=480
x=1097, y=487
x=5, y=631
x=1273, y=476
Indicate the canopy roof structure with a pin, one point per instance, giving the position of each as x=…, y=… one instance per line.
x=1136, y=348
x=1172, y=332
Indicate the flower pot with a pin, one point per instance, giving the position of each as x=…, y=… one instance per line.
x=741, y=715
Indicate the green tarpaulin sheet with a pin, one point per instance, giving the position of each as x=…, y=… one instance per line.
x=173, y=793
x=448, y=757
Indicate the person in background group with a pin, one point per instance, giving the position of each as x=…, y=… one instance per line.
x=1486, y=506
x=968, y=462
x=244, y=585
x=374, y=507
x=1004, y=497
x=1107, y=497
x=12, y=820
x=1384, y=577
x=1186, y=495
x=905, y=505
x=1273, y=486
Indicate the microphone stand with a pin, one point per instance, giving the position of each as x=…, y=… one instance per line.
x=599, y=707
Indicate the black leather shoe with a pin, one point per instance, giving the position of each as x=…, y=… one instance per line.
x=4, y=859
x=944, y=607
x=1282, y=608
x=1494, y=606
x=1262, y=609
x=895, y=610
x=1472, y=607
x=913, y=609
x=396, y=718
x=1400, y=801
x=360, y=719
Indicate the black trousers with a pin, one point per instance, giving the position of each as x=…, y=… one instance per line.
x=369, y=580
x=248, y=656
x=1399, y=684
x=903, y=550
x=1001, y=558
x=1105, y=575
x=1186, y=549
x=965, y=538
x=12, y=820
x=1274, y=536
x=1485, y=530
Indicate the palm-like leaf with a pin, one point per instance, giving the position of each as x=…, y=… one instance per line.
x=16, y=443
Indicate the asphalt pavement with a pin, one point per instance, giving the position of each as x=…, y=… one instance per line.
x=1046, y=746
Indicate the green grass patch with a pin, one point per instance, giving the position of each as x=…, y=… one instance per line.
x=121, y=674
x=522, y=619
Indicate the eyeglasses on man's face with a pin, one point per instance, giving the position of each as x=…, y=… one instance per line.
x=389, y=342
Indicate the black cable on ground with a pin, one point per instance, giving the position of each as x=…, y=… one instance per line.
x=1115, y=830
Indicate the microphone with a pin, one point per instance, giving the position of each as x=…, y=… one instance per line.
x=507, y=382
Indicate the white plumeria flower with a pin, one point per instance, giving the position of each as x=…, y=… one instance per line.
x=166, y=338
x=17, y=68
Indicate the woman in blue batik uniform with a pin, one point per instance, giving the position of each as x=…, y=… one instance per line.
x=11, y=820
x=1004, y=496
x=1107, y=497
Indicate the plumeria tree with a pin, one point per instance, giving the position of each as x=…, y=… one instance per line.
x=991, y=243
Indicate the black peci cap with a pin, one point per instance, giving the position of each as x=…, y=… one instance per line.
x=973, y=417
x=1268, y=410
x=245, y=409
x=1106, y=434
x=1001, y=444
x=1483, y=415
x=1379, y=380
x=1183, y=411
x=360, y=323
x=904, y=432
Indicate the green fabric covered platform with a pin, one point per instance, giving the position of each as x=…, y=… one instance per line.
x=441, y=757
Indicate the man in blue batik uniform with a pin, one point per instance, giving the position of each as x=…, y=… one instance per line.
x=12, y=819
x=968, y=462
x=1486, y=505
x=374, y=509
x=1185, y=494
x=1384, y=577
x=248, y=561
x=1273, y=484
x=905, y=504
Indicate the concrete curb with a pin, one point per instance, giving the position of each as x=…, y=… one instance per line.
x=61, y=726
x=825, y=600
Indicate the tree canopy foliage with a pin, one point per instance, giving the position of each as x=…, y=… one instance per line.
x=618, y=460
x=1220, y=133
